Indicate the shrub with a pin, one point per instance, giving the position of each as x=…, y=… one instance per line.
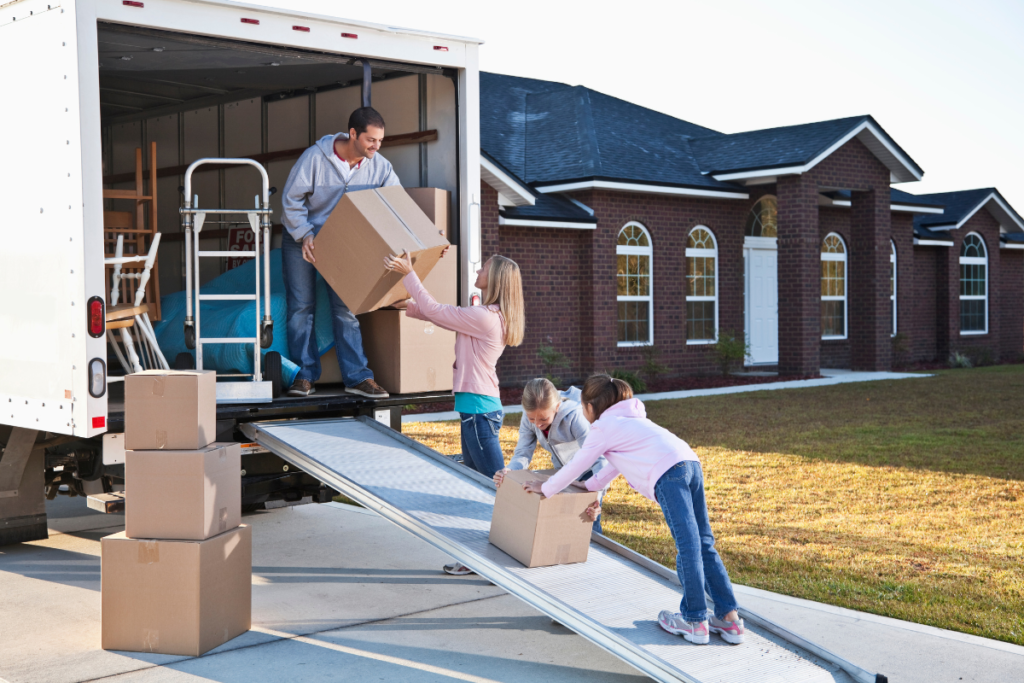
x=959, y=360
x=631, y=378
x=652, y=367
x=900, y=350
x=729, y=349
x=552, y=360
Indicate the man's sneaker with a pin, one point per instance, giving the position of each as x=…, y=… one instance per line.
x=457, y=569
x=731, y=631
x=694, y=631
x=301, y=387
x=368, y=388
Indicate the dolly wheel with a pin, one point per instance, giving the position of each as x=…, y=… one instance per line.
x=190, y=336
x=267, y=335
x=184, y=361
x=272, y=372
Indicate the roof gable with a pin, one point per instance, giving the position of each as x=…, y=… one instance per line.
x=961, y=205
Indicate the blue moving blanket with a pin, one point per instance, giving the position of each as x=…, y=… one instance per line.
x=238, y=319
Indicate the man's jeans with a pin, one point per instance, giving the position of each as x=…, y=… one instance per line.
x=481, y=449
x=680, y=492
x=300, y=289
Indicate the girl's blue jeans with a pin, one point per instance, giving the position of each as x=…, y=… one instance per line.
x=680, y=493
x=481, y=449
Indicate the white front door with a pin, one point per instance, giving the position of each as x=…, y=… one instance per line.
x=762, y=301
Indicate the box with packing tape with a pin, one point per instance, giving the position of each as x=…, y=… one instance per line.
x=170, y=409
x=434, y=203
x=187, y=495
x=541, y=531
x=365, y=227
x=175, y=597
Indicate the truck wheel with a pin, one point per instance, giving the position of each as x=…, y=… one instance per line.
x=272, y=372
x=184, y=361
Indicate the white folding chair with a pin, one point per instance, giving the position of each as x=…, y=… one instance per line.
x=124, y=317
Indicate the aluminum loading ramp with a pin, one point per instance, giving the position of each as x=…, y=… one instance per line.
x=612, y=599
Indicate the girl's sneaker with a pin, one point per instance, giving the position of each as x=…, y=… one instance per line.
x=731, y=631
x=457, y=569
x=694, y=631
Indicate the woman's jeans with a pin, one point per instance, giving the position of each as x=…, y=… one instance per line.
x=680, y=492
x=481, y=449
x=300, y=291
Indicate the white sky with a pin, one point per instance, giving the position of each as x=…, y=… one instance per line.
x=944, y=78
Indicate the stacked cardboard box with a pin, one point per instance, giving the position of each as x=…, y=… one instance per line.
x=178, y=580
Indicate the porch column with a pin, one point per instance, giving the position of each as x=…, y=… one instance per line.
x=870, y=310
x=799, y=276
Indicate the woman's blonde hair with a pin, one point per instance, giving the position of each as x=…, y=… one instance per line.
x=539, y=394
x=505, y=288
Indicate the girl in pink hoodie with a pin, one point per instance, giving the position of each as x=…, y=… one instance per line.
x=663, y=468
x=481, y=335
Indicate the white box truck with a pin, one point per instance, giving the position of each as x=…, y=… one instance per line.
x=89, y=82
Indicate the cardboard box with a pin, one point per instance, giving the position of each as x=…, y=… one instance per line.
x=175, y=597
x=541, y=532
x=186, y=495
x=443, y=281
x=435, y=203
x=365, y=227
x=408, y=355
x=170, y=409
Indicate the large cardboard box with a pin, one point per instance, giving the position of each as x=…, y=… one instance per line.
x=170, y=409
x=187, y=495
x=365, y=227
x=435, y=203
x=408, y=355
x=541, y=532
x=443, y=281
x=175, y=597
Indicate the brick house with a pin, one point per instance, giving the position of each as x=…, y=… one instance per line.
x=633, y=228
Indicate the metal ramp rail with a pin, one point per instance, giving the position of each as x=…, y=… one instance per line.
x=612, y=599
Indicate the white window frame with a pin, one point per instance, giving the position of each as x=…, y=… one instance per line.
x=844, y=257
x=647, y=251
x=973, y=260
x=703, y=253
x=895, y=284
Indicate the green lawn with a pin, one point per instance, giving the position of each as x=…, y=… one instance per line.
x=901, y=498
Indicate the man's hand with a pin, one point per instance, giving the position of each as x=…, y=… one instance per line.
x=499, y=476
x=400, y=305
x=445, y=250
x=534, y=486
x=307, y=249
x=593, y=511
x=399, y=264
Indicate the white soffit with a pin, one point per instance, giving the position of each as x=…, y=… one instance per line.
x=900, y=167
x=931, y=243
x=505, y=184
x=911, y=208
x=1007, y=245
x=529, y=223
x=642, y=188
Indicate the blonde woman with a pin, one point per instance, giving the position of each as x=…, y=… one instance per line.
x=553, y=420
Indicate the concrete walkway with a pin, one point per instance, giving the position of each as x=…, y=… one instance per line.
x=829, y=378
x=341, y=594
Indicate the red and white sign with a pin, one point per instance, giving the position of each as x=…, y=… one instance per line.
x=240, y=239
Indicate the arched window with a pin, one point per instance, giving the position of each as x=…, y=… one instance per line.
x=701, y=287
x=833, y=287
x=973, y=285
x=763, y=219
x=636, y=314
x=892, y=284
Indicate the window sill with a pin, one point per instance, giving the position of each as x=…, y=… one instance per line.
x=700, y=342
x=843, y=338
x=627, y=345
x=977, y=333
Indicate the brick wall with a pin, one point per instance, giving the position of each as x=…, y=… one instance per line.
x=917, y=318
x=984, y=224
x=1011, y=311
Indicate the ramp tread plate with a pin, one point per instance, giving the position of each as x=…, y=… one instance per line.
x=611, y=591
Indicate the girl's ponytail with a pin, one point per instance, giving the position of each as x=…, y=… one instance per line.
x=602, y=392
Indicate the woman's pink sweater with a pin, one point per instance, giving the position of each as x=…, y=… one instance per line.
x=633, y=445
x=479, y=337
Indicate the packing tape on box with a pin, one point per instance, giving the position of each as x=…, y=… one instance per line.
x=149, y=552
x=150, y=639
x=161, y=438
x=428, y=328
x=158, y=386
x=223, y=519
x=405, y=225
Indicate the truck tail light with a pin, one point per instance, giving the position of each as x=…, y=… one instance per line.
x=97, y=377
x=353, y=36
x=441, y=48
x=474, y=300
x=99, y=422
x=97, y=324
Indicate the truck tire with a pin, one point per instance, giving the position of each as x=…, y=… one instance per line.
x=272, y=371
x=184, y=361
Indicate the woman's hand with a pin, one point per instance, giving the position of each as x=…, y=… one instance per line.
x=534, y=486
x=400, y=264
x=400, y=305
x=499, y=476
x=593, y=511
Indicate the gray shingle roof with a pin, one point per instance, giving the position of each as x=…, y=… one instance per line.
x=958, y=205
x=549, y=207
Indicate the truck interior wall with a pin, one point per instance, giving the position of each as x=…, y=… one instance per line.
x=237, y=129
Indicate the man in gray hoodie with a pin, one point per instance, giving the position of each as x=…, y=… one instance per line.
x=333, y=166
